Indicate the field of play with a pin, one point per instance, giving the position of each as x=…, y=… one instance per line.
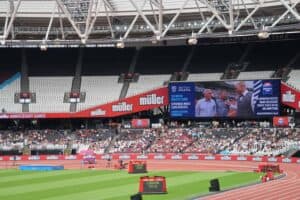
x=110, y=185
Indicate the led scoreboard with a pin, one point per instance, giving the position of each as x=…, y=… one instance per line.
x=137, y=166
x=240, y=98
x=153, y=185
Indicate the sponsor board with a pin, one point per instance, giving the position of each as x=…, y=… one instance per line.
x=122, y=107
x=225, y=158
x=124, y=157
x=209, y=158
x=272, y=159
x=241, y=158
x=142, y=157
x=151, y=99
x=15, y=158
x=159, y=157
x=193, y=157
x=298, y=161
x=1, y=158
x=136, y=103
x=52, y=157
x=98, y=112
x=4, y=116
x=34, y=158
x=288, y=96
x=286, y=160
x=71, y=157
x=258, y=159
x=176, y=157
x=106, y=157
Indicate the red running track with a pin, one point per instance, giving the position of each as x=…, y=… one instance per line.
x=287, y=188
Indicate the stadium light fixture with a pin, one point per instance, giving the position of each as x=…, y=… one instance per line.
x=157, y=35
x=83, y=41
x=43, y=46
x=263, y=34
x=193, y=39
x=120, y=44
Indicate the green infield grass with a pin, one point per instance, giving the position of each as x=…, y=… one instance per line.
x=110, y=185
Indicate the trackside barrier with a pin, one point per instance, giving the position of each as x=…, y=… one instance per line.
x=152, y=156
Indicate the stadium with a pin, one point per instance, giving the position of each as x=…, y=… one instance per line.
x=149, y=99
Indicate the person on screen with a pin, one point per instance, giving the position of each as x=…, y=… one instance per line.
x=206, y=107
x=245, y=106
x=222, y=104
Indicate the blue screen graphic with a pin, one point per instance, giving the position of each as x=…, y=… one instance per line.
x=182, y=97
x=225, y=99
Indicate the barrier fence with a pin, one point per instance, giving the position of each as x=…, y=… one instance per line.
x=152, y=156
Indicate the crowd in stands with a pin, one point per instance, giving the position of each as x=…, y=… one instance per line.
x=95, y=139
x=133, y=141
x=266, y=142
x=207, y=140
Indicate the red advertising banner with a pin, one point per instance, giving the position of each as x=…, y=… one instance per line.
x=140, y=123
x=158, y=156
x=145, y=101
x=141, y=102
x=290, y=96
x=281, y=121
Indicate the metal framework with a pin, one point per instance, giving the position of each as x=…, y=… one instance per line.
x=106, y=22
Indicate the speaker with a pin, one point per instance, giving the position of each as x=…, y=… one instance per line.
x=214, y=185
x=137, y=196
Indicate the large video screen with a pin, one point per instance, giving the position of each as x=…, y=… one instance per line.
x=242, y=99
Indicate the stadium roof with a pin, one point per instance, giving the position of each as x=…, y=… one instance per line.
x=109, y=21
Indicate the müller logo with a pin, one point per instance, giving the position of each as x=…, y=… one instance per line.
x=98, y=112
x=122, y=107
x=288, y=97
x=151, y=99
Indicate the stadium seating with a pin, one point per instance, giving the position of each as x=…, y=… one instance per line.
x=255, y=75
x=204, y=77
x=237, y=141
x=50, y=93
x=147, y=82
x=7, y=96
x=294, y=78
x=99, y=90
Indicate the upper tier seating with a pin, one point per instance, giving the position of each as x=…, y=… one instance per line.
x=205, y=77
x=294, y=78
x=255, y=75
x=99, y=90
x=50, y=93
x=147, y=82
x=7, y=97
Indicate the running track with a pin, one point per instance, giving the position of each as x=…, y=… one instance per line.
x=287, y=188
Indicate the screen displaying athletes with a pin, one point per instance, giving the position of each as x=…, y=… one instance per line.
x=225, y=98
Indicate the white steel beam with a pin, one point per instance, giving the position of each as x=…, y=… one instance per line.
x=206, y=24
x=215, y=12
x=143, y=16
x=109, y=22
x=91, y=26
x=67, y=14
x=11, y=21
x=174, y=18
x=248, y=17
x=88, y=18
x=133, y=21
x=284, y=14
x=160, y=17
x=295, y=13
x=50, y=23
